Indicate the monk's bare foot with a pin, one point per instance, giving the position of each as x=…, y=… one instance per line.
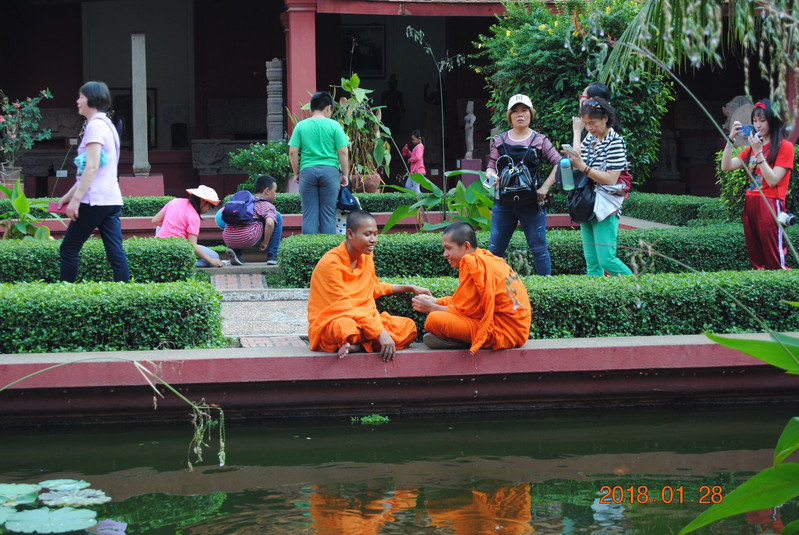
x=348, y=348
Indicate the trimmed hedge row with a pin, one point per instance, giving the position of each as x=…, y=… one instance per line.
x=650, y=305
x=710, y=248
x=103, y=316
x=150, y=260
x=676, y=210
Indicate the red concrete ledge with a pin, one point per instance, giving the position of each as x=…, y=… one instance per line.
x=295, y=381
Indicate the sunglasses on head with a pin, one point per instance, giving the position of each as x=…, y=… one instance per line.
x=591, y=104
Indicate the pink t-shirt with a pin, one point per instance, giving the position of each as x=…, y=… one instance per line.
x=180, y=220
x=104, y=190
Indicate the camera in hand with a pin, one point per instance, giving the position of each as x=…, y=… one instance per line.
x=786, y=219
x=746, y=130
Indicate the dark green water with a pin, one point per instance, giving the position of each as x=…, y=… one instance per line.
x=507, y=473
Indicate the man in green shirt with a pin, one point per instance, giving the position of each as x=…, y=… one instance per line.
x=318, y=148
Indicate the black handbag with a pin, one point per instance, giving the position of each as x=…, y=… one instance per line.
x=347, y=202
x=582, y=198
x=515, y=184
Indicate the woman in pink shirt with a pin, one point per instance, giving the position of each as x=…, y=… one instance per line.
x=416, y=158
x=95, y=201
x=180, y=218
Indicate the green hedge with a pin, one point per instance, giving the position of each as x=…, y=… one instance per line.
x=650, y=305
x=107, y=316
x=132, y=207
x=150, y=260
x=717, y=247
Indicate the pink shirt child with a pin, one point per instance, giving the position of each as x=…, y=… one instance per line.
x=180, y=220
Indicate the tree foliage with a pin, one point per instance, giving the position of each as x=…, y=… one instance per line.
x=552, y=55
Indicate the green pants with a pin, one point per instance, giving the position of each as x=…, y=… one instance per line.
x=599, y=247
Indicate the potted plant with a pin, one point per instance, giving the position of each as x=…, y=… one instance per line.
x=270, y=158
x=19, y=130
x=369, y=149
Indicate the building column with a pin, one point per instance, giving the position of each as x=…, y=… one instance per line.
x=300, y=54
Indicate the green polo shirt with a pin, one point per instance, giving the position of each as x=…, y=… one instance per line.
x=318, y=141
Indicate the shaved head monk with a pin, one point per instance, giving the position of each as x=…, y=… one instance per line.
x=490, y=309
x=342, y=314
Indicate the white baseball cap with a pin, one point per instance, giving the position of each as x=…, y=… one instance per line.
x=519, y=99
x=205, y=193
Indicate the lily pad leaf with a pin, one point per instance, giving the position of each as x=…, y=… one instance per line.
x=13, y=494
x=64, y=484
x=76, y=498
x=5, y=512
x=46, y=520
x=108, y=527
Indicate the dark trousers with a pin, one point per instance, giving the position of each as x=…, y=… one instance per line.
x=106, y=220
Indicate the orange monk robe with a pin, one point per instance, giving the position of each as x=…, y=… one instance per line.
x=504, y=511
x=490, y=309
x=342, y=308
x=336, y=515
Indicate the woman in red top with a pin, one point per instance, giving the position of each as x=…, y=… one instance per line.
x=770, y=159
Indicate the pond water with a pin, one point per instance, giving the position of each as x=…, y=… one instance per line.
x=510, y=473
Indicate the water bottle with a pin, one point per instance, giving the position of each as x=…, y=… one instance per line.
x=566, y=176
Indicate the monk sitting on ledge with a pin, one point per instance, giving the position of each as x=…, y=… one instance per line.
x=342, y=314
x=490, y=309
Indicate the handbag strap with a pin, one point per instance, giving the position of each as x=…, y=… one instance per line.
x=504, y=147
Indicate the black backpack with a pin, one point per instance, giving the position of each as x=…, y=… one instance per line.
x=516, y=184
x=581, y=199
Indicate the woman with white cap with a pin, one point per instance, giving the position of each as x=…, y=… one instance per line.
x=521, y=145
x=181, y=218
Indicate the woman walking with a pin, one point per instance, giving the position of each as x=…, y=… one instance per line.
x=95, y=201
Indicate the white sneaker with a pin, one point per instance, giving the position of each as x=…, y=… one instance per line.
x=234, y=258
x=271, y=262
x=225, y=262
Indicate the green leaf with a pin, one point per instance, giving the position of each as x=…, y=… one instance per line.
x=771, y=352
x=18, y=493
x=46, y=520
x=769, y=488
x=64, y=484
x=378, y=151
x=399, y=214
x=788, y=442
x=791, y=528
x=74, y=497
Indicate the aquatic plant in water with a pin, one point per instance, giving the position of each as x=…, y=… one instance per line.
x=372, y=419
x=18, y=511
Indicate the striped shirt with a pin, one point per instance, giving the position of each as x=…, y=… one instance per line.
x=607, y=154
x=244, y=236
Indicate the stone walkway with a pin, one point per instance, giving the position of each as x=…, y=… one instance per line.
x=257, y=315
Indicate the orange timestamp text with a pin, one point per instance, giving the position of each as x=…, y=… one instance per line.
x=666, y=494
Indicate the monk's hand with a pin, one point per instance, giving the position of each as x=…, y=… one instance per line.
x=418, y=290
x=387, y=346
x=423, y=303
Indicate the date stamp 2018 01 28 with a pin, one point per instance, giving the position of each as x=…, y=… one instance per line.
x=666, y=494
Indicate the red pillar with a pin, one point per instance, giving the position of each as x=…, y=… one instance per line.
x=300, y=54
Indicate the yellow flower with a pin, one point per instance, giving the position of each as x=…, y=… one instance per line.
x=507, y=33
x=477, y=70
x=556, y=24
x=542, y=27
x=551, y=31
x=607, y=10
x=479, y=45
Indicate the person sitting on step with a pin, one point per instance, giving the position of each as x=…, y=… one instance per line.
x=265, y=228
x=490, y=309
x=342, y=313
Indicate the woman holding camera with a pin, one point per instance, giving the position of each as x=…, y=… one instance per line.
x=602, y=158
x=522, y=145
x=771, y=169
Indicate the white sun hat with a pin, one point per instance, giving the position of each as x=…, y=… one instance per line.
x=205, y=193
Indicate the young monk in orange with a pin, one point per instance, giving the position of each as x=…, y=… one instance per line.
x=490, y=309
x=342, y=314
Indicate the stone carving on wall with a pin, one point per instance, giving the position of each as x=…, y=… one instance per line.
x=738, y=109
x=63, y=122
x=274, y=100
x=210, y=156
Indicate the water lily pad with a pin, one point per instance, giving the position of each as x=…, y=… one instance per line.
x=18, y=493
x=5, y=512
x=46, y=520
x=76, y=498
x=64, y=484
